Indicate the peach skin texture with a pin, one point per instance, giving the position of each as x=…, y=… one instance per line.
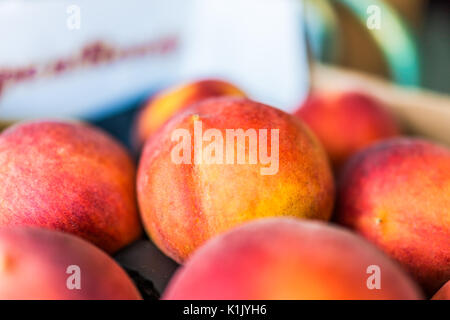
x=167, y=103
x=397, y=195
x=183, y=205
x=69, y=177
x=34, y=266
x=346, y=122
x=443, y=293
x=285, y=258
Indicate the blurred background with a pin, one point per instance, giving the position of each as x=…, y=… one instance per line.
x=101, y=60
x=338, y=35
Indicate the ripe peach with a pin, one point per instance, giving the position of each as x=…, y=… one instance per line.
x=443, y=293
x=164, y=105
x=346, y=122
x=186, y=201
x=283, y=258
x=69, y=177
x=42, y=264
x=397, y=195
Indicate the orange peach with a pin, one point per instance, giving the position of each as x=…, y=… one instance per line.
x=346, y=122
x=42, y=264
x=165, y=104
x=397, y=195
x=443, y=293
x=283, y=258
x=69, y=177
x=252, y=161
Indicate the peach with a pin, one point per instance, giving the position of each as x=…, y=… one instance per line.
x=165, y=104
x=346, y=122
x=397, y=195
x=187, y=197
x=69, y=177
x=443, y=293
x=285, y=258
x=49, y=265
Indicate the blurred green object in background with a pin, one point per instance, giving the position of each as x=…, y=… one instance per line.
x=435, y=46
x=322, y=31
x=394, y=39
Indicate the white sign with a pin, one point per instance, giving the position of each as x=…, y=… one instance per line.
x=88, y=58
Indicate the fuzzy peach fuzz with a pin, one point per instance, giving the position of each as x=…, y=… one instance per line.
x=283, y=258
x=165, y=104
x=69, y=177
x=397, y=195
x=183, y=205
x=346, y=122
x=34, y=264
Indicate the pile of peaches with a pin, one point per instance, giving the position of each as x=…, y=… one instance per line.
x=355, y=211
